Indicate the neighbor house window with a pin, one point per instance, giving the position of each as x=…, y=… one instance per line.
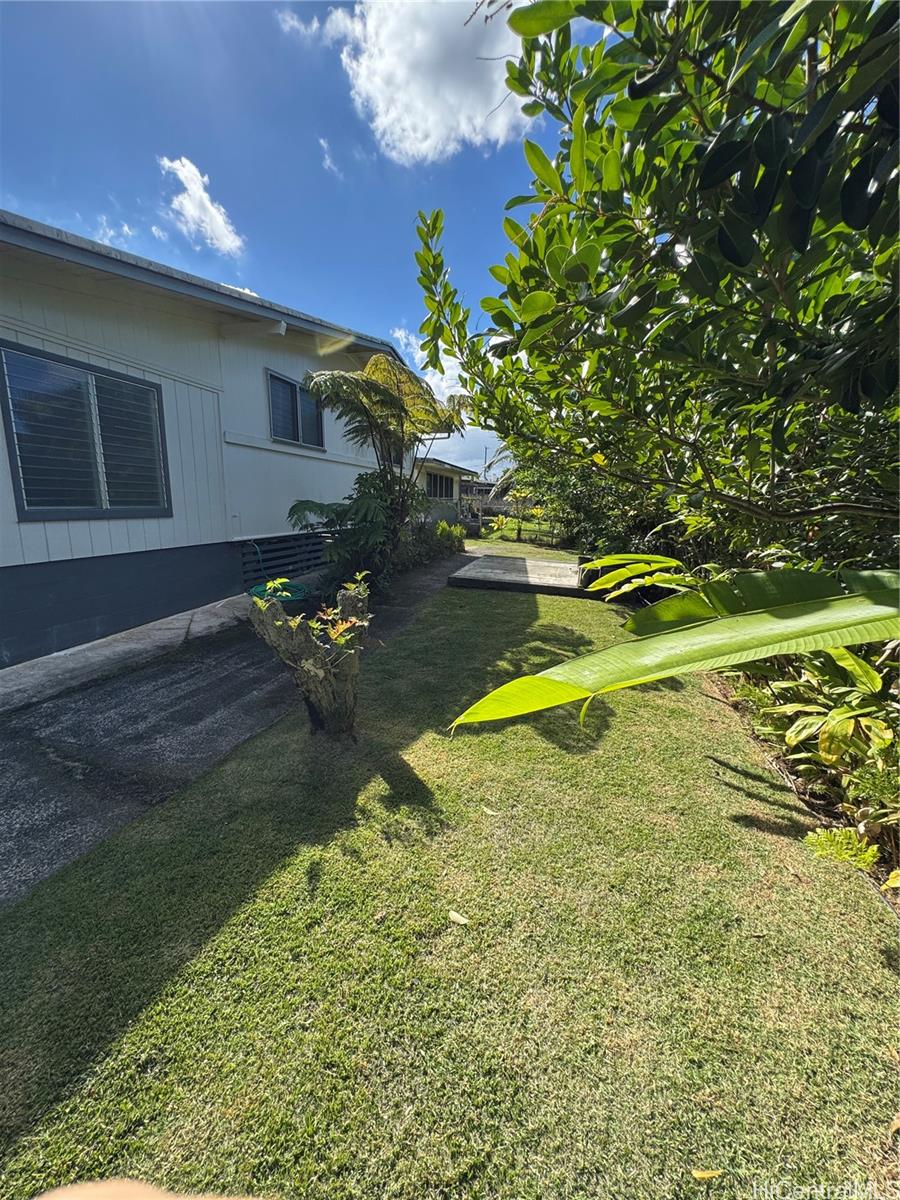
x=83, y=442
x=296, y=414
x=439, y=487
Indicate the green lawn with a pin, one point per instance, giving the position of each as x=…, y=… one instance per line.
x=514, y=549
x=257, y=988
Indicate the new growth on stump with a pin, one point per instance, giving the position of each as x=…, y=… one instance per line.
x=322, y=651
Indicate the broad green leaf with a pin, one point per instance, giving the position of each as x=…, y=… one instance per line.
x=542, y=166
x=880, y=733
x=611, y=560
x=538, y=328
x=612, y=171
x=816, y=624
x=736, y=242
x=834, y=740
x=576, y=155
x=613, y=577
x=722, y=162
x=660, y=579
x=687, y=608
x=543, y=16
x=805, y=727
x=531, y=693
x=583, y=265
x=788, y=710
x=747, y=591
x=750, y=53
x=867, y=581
x=535, y=305
x=866, y=677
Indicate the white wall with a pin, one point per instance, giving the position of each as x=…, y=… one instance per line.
x=227, y=477
x=263, y=477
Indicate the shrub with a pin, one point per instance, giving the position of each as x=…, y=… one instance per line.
x=422, y=543
x=843, y=846
x=451, y=537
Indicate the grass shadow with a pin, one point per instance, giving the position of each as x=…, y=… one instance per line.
x=788, y=827
x=92, y=946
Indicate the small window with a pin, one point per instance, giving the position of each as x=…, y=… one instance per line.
x=295, y=413
x=439, y=487
x=82, y=442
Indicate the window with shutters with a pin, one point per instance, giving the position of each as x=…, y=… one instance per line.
x=83, y=442
x=438, y=487
x=296, y=415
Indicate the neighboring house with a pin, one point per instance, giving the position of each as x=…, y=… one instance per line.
x=479, y=495
x=155, y=432
x=441, y=482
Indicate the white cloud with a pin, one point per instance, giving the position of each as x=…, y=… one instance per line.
x=327, y=161
x=197, y=215
x=158, y=233
x=112, y=234
x=291, y=23
x=427, y=82
x=465, y=449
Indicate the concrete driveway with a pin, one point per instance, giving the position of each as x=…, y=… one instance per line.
x=76, y=767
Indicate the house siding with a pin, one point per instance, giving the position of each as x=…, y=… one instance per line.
x=53, y=308
x=228, y=480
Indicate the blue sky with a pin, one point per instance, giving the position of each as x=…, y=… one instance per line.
x=284, y=148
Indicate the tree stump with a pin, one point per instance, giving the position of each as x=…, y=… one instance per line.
x=326, y=672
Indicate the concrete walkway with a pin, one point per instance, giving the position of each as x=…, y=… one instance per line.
x=96, y=751
x=510, y=574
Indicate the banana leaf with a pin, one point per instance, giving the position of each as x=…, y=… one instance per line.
x=870, y=612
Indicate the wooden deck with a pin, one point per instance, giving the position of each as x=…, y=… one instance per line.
x=520, y=575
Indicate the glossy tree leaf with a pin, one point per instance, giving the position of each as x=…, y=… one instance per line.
x=798, y=225
x=612, y=174
x=807, y=177
x=855, y=198
x=542, y=166
x=635, y=309
x=577, y=155
x=583, y=265
x=723, y=161
x=773, y=141
x=543, y=16
x=766, y=191
x=736, y=242
x=535, y=305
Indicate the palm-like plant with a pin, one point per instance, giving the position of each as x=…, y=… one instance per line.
x=390, y=408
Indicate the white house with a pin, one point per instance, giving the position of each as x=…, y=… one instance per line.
x=441, y=482
x=155, y=432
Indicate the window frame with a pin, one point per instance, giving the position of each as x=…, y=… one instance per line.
x=80, y=513
x=440, y=475
x=298, y=386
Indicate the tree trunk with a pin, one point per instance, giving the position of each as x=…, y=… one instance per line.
x=331, y=699
x=326, y=675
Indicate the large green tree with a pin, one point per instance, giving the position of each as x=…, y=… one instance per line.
x=703, y=299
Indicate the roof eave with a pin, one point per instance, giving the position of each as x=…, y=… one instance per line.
x=56, y=243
